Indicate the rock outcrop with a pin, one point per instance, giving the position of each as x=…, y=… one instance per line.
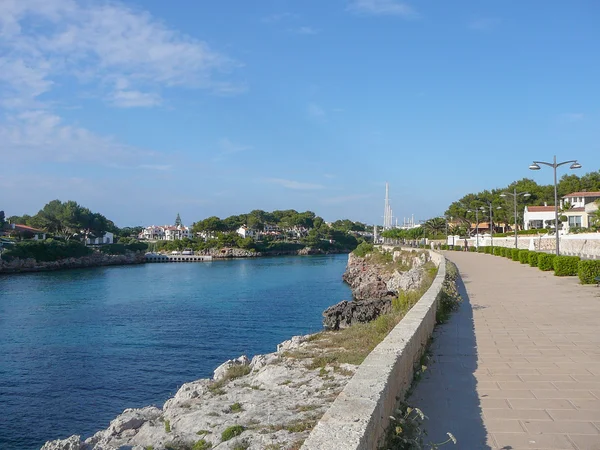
x=276, y=404
x=374, y=283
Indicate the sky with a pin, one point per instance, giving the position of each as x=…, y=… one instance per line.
x=142, y=109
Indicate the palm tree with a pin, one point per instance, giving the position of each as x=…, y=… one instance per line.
x=435, y=226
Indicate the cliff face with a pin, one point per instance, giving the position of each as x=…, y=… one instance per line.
x=375, y=280
x=93, y=260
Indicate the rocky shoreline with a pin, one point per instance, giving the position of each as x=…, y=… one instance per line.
x=270, y=402
x=94, y=260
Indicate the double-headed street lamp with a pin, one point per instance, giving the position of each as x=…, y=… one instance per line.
x=555, y=165
x=476, y=223
x=491, y=222
x=515, y=194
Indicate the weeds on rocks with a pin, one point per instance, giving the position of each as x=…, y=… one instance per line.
x=231, y=432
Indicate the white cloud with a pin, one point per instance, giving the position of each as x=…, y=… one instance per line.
x=305, y=30
x=278, y=17
x=382, y=8
x=128, y=99
x=40, y=136
x=483, y=24
x=572, y=117
x=109, y=44
x=315, y=111
x=344, y=199
x=292, y=184
x=226, y=147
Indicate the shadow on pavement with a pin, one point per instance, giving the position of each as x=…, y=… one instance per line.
x=447, y=392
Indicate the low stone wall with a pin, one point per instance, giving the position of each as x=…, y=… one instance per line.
x=583, y=245
x=359, y=417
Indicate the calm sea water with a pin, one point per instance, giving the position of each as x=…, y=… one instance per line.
x=78, y=347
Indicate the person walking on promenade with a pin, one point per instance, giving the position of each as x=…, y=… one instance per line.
x=466, y=245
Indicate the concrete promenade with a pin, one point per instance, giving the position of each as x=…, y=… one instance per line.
x=518, y=367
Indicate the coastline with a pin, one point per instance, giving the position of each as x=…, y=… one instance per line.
x=273, y=401
x=30, y=265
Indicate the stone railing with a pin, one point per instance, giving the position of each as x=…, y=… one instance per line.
x=584, y=245
x=360, y=416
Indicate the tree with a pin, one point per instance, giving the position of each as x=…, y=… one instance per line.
x=209, y=225
x=435, y=226
x=2, y=220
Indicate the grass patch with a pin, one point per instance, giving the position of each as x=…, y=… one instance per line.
x=203, y=432
x=202, y=445
x=236, y=371
x=167, y=426
x=231, y=432
x=235, y=408
x=352, y=345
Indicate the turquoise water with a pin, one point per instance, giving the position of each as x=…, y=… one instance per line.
x=78, y=347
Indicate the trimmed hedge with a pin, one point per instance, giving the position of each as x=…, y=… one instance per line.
x=498, y=251
x=546, y=261
x=515, y=254
x=533, y=259
x=588, y=270
x=524, y=256
x=508, y=252
x=566, y=266
x=472, y=249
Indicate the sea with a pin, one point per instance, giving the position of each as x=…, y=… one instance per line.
x=77, y=347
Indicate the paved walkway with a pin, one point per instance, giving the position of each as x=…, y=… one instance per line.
x=518, y=367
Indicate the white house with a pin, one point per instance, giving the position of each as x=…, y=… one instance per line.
x=245, y=232
x=173, y=233
x=582, y=206
x=165, y=233
x=538, y=217
x=108, y=238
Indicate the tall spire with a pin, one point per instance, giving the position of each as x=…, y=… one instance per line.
x=387, y=212
x=178, y=221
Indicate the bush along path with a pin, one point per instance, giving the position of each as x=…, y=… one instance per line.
x=588, y=271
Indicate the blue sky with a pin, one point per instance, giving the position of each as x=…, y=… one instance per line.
x=141, y=109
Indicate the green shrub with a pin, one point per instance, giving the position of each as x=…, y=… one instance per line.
x=533, y=259
x=48, y=250
x=363, y=249
x=231, y=432
x=566, y=266
x=444, y=247
x=508, y=252
x=472, y=249
x=546, y=261
x=524, y=256
x=202, y=445
x=498, y=251
x=514, y=253
x=588, y=270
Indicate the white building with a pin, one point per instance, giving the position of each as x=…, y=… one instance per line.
x=245, y=232
x=165, y=233
x=108, y=238
x=538, y=217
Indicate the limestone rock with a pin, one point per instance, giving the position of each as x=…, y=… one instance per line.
x=291, y=344
x=346, y=313
x=405, y=281
x=221, y=371
x=71, y=443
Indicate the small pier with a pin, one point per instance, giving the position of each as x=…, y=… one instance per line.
x=158, y=258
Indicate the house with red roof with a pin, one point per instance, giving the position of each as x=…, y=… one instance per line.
x=26, y=232
x=576, y=207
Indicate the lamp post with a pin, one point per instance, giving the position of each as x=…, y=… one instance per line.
x=555, y=165
x=491, y=223
x=476, y=226
x=515, y=194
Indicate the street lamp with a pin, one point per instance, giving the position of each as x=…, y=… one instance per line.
x=515, y=194
x=491, y=223
x=555, y=165
x=476, y=224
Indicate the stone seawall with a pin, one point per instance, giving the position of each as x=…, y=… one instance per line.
x=94, y=260
x=359, y=416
